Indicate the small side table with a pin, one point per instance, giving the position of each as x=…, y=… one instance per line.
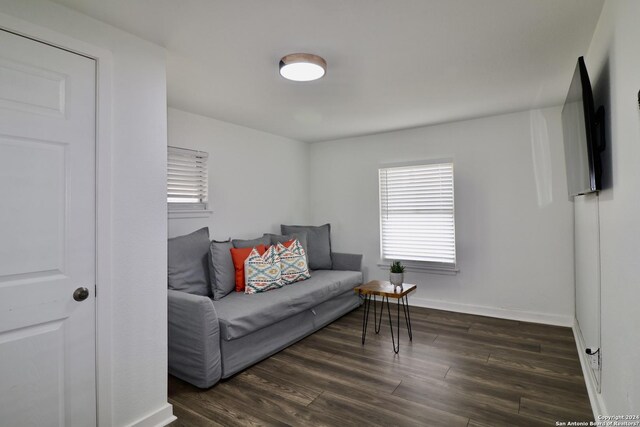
x=385, y=290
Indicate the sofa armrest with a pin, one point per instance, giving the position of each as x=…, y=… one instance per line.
x=194, y=339
x=346, y=262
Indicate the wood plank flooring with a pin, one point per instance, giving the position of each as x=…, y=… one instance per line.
x=460, y=370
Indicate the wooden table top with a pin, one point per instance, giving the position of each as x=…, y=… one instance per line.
x=384, y=289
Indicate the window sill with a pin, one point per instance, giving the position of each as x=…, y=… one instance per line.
x=188, y=213
x=423, y=267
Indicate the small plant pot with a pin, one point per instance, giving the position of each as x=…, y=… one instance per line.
x=396, y=279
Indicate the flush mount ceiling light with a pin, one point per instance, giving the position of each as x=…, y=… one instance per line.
x=302, y=67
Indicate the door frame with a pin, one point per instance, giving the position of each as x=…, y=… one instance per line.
x=103, y=189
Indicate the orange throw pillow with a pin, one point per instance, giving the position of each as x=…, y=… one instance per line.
x=239, y=256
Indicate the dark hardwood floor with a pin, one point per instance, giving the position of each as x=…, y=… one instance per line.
x=460, y=370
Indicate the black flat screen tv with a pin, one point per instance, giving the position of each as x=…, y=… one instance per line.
x=583, y=132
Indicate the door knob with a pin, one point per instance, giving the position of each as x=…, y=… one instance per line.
x=81, y=294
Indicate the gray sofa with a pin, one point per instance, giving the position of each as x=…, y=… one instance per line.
x=213, y=339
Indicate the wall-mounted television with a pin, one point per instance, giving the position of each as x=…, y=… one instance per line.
x=583, y=131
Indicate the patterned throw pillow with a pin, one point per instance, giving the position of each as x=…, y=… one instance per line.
x=293, y=263
x=239, y=256
x=262, y=272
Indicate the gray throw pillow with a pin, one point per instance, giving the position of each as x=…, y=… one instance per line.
x=239, y=243
x=301, y=236
x=318, y=244
x=221, y=269
x=188, y=266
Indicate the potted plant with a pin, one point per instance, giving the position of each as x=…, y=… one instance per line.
x=396, y=275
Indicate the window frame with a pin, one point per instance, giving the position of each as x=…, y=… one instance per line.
x=190, y=209
x=414, y=265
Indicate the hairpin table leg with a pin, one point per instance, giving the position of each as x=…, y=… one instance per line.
x=396, y=349
x=377, y=321
x=407, y=315
x=365, y=316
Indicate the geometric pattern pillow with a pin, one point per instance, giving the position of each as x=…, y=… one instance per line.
x=262, y=272
x=239, y=256
x=293, y=262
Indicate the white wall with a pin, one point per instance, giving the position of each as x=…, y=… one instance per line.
x=257, y=180
x=513, y=219
x=139, y=223
x=587, y=277
x=614, y=67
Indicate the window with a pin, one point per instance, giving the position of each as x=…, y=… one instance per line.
x=187, y=179
x=417, y=215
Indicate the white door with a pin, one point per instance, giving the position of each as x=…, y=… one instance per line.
x=47, y=235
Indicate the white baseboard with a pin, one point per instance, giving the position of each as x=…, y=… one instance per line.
x=161, y=417
x=502, y=313
x=595, y=398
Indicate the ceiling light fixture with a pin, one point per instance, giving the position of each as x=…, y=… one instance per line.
x=302, y=67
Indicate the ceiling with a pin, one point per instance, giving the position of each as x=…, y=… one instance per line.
x=391, y=64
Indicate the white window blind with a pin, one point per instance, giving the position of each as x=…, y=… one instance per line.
x=187, y=179
x=417, y=214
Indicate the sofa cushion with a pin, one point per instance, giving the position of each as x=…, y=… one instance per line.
x=293, y=262
x=318, y=244
x=240, y=314
x=188, y=264
x=251, y=243
x=221, y=270
x=262, y=272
